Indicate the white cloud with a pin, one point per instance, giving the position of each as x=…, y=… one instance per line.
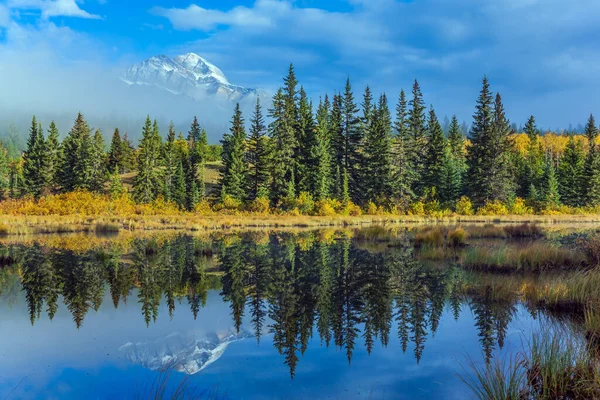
x=195, y=17
x=53, y=8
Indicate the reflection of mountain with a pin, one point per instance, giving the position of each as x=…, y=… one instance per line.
x=182, y=353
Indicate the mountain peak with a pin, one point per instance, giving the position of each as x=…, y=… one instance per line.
x=188, y=74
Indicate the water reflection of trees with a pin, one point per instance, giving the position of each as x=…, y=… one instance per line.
x=285, y=285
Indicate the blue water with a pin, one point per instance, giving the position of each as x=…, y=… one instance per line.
x=118, y=352
x=53, y=359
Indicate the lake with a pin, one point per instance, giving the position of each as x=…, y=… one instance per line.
x=295, y=315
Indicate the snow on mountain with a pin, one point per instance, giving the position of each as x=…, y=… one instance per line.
x=182, y=353
x=189, y=75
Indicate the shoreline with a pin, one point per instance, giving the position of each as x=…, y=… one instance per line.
x=11, y=225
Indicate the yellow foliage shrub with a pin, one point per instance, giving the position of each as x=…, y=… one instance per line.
x=416, y=208
x=519, y=207
x=326, y=208
x=493, y=208
x=260, y=205
x=229, y=203
x=371, y=208
x=464, y=206
x=305, y=203
x=203, y=208
x=352, y=209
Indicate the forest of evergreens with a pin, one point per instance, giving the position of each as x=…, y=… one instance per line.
x=338, y=157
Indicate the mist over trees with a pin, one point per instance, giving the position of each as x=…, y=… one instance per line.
x=345, y=153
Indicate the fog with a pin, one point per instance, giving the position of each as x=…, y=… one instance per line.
x=38, y=83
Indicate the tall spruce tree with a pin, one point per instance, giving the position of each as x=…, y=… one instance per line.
x=34, y=160
x=377, y=153
x=570, y=171
x=403, y=173
x=128, y=157
x=417, y=137
x=283, y=145
x=76, y=167
x=549, y=186
x=258, y=156
x=98, y=161
x=53, y=155
x=484, y=159
x=16, y=182
x=307, y=139
x=353, y=137
x=291, y=119
x=4, y=172
x=502, y=180
x=178, y=188
x=591, y=173
x=534, y=161
x=115, y=154
x=322, y=153
x=338, y=149
x=235, y=171
x=456, y=140
x=147, y=184
x=171, y=162
x=434, y=175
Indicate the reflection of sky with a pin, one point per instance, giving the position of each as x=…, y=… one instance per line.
x=53, y=359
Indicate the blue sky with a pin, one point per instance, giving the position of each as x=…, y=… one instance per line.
x=542, y=55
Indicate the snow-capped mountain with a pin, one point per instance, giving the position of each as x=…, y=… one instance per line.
x=189, y=75
x=180, y=352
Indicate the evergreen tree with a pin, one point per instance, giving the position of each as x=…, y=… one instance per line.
x=115, y=154
x=283, y=145
x=337, y=141
x=570, y=172
x=435, y=172
x=171, y=161
x=234, y=174
x=16, y=182
x=591, y=172
x=534, y=161
x=148, y=183
x=53, y=155
x=5, y=172
x=456, y=140
x=489, y=169
x=549, y=186
x=417, y=140
x=353, y=138
x=322, y=153
x=258, y=156
x=403, y=173
x=377, y=153
x=128, y=156
x=307, y=141
x=76, y=167
x=178, y=188
x=116, y=188
x=291, y=119
x=34, y=160
x=98, y=162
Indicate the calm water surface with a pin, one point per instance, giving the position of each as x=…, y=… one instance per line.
x=252, y=316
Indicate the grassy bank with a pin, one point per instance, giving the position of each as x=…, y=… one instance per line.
x=114, y=222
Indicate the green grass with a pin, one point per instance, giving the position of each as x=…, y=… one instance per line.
x=555, y=365
x=535, y=258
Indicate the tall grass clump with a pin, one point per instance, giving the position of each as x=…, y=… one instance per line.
x=535, y=258
x=555, y=365
x=431, y=237
x=523, y=231
x=497, y=380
